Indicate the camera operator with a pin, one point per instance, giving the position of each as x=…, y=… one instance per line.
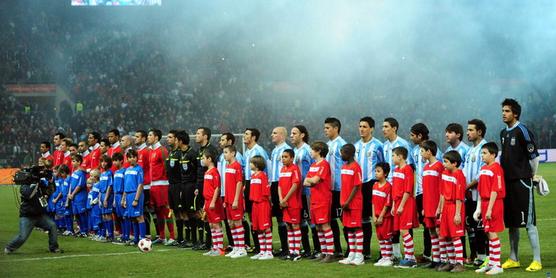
x=34, y=195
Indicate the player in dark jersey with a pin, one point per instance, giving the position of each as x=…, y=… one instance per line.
x=188, y=164
x=520, y=160
x=173, y=172
x=202, y=137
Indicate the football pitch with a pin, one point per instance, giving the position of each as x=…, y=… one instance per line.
x=86, y=258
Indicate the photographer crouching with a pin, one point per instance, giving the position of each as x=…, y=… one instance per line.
x=36, y=185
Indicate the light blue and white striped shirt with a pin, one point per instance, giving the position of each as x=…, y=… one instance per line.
x=221, y=165
x=276, y=161
x=389, y=146
x=249, y=153
x=303, y=160
x=334, y=158
x=419, y=163
x=462, y=149
x=368, y=154
x=473, y=164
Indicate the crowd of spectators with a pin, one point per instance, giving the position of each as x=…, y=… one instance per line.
x=128, y=80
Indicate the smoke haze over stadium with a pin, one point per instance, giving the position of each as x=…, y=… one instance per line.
x=301, y=61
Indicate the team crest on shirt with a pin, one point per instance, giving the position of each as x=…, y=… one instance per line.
x=370, y=153
x=172, y=163
x=530, y=147
x=473, y=158
x=184, y=166
x=512, y=141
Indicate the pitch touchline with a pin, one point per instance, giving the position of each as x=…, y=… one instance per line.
x=81, y=255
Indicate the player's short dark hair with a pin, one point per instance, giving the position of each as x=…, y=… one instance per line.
x=453, y=156
x=290, y=152
x=491, y=148
x=115, y=131
x=95, y=135
x=73, y=145
x=320, y=147
x=118, y=156
x=131, y=153
x=369, y=120
x=393, y=123
x=77, y=157
x=156, y=132
x=107, y=159
x=479, y=125
x=429, y=145
x=173, y=132
x=302, y=129
x=229, y=136
x=142, y=133
x=231, y=148
x=211, y=153
x=348, y=150
x=514, y=106
x=105, y=141
x=46, y=144
x=254, y=132
x=420, y=129
x=206, y=131
x=385, y=167
x=334, y=122
x=259, y=162
x=400, y=151
x=181, y=135
x=63, y=169
x=456, y=128
x=59, y=134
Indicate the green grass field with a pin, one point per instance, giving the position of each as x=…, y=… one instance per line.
x=84, y=257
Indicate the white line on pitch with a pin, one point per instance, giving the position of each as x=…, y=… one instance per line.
x=80, y=255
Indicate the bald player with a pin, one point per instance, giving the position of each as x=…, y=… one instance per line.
x=279, y=135
x=126, y=143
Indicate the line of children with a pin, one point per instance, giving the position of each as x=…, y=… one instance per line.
x=393, y=210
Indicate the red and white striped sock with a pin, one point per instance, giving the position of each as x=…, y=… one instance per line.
x=359, y=241
x=240, y=235
x=297, y=240
x=291, y=241
x=218, y=239
x=494, y=252
x=458, y=249
x=443, y=251
x=268, y=240
x=351, y=242
x=329, y=239
x=213, y=236
x=234, y=237
x=262, y=242
x=450, y=252
x=435, y=249
x=322, y=242
x=408, y=247
x=387, y=248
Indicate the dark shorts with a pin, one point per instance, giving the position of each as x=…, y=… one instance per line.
x=419, y=206
x=519, y=204
x=276, y=210
x=248, y=203
x=305, y=215
x=181, y=197
x=367, y=193
x=471, y=225
x=336, y=208
x=198, y=200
